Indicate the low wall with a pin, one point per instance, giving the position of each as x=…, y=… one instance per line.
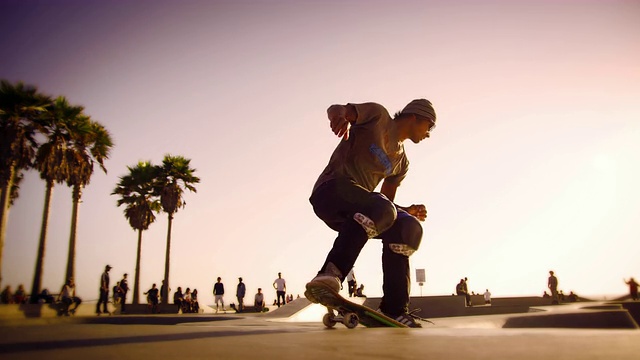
x=26, y=311
x=451, y=305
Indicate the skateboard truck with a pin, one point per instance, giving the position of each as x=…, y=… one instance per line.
x=348, y=319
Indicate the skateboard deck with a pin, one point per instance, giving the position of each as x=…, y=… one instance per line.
x=341, y=310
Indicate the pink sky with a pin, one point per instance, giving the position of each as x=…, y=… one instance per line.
x=533, y=165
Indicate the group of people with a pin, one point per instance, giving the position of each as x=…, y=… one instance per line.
x=65, y=298
x=557, y=296
x=7, y=296
x=462, y=289
x=241, y=290
x=119, y=293
x=187, y=302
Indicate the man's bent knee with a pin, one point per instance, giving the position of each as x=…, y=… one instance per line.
x=378, y=216
x=409, y=238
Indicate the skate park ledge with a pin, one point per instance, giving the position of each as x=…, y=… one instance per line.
x=524, y=312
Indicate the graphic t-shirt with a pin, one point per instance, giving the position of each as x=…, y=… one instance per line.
x=372, y=153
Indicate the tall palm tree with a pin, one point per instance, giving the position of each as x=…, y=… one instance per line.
x=90, y=144
x=175, y=176
x=136, y=190
x=52, y=161
x=21, y=107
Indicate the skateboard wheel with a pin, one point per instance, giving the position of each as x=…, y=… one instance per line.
x=350, y=320
x=328, y=320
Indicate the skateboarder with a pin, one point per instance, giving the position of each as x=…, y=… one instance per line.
x=371, y=152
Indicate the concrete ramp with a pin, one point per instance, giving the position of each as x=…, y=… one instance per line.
x=289, y=309
x=306, y=311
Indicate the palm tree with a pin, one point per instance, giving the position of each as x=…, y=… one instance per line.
x=53, y=162
x=136, y=191
x=21, y=107
x=90, y=144
x=174, y=176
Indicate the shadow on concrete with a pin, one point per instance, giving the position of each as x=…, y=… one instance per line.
x=84, y=343
x=151, y=320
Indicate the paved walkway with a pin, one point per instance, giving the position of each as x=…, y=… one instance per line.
x=269, y=337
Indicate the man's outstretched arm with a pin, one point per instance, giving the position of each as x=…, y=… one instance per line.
x=340, y=118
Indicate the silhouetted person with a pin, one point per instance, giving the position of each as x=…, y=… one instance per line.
x=633, y=288
x=552, y=283
x=195, y=305
x=116, y=295
x=6, y=297
x=124, y=288
x=104, y=292
x=351, y=283
x=572, y=297
x=20, y=296
x=345, y=198
x=258, y=301
x=178, y=298
x=240, y=293
x=68, y=297
x=487, y=297
x=467, y=296
x=218, y=293
x=152, y=298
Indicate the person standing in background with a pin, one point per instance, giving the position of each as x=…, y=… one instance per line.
x=633, y=288
x=240, y=292
x=487, y=297
x=124, y=288
x=552, y=284
x=218, y=293
x=351, y=283
x=103, y=299
x=281, y=289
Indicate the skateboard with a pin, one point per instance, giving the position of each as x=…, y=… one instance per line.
x=341, y=310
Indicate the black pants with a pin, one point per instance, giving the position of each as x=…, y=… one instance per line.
x=68, y=301
x=103, y=299
x=280, y=294
x=335, y=202
x=123, y=300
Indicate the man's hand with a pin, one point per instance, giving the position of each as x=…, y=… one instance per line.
x=419, y=211
x=338, y=119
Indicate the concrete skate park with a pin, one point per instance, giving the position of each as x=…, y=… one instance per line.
x=519, y=327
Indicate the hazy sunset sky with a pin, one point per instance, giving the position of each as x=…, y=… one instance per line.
x=534, y=164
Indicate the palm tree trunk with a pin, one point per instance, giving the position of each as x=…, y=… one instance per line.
x=136, y=281
x=5, y=200
x=37, y=274
x=165, y=296
x=73, y=234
